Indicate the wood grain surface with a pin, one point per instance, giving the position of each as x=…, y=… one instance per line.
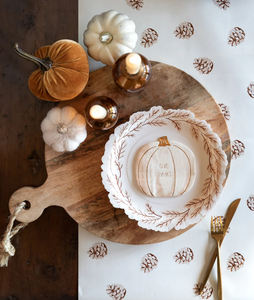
x=45, y=265
x=74, y=178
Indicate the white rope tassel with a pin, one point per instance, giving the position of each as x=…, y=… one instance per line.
x=6, y=248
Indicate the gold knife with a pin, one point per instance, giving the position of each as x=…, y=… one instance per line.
x=230, y=213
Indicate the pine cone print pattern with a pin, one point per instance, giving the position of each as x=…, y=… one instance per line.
x=148, y=263
x=203, y=65
x=235, y=262
x=184, y=256
x=98, y=251
x=250, y=89
x=184, y=31
x=250, y=202
x=116, y=291
x=135, y=4
x=223, y=4
x=207, y=291
x=149, y=37
x=225, y=111
x=236, y=36
x=237, y=149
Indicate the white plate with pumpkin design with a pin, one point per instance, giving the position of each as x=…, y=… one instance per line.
x=119, y=165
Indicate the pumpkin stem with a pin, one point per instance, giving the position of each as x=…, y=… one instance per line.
x=61, y=128
x=44, y=64
x=106, y=37
x=163, y=141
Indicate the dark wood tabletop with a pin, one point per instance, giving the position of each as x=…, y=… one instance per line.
x=45, y=265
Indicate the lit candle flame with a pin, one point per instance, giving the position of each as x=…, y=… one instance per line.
x=98, y=112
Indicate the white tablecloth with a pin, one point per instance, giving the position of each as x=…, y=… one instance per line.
x=213, y=41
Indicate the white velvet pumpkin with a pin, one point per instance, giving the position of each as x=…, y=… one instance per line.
x=109, y=36
x=165, y=169
x=64, y=129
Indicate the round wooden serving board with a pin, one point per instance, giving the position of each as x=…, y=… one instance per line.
x=74, y=178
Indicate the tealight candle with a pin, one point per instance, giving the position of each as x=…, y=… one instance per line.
x=133, y=63
x=132, y=72
x=98, y=112
x=101, y=113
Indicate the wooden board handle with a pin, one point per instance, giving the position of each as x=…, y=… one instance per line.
x=36, y=199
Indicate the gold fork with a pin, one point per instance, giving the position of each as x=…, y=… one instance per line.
x=217, y=234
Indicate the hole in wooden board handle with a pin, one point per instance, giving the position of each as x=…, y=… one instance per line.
x=34, y=203
x=27, y=205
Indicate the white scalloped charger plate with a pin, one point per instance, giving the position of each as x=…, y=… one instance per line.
x=164, y=214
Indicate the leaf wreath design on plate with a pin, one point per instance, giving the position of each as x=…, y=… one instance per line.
x=194, y=209
x=207, y=291
x=135, y=4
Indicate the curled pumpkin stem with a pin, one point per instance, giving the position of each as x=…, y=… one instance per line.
x=44, y=64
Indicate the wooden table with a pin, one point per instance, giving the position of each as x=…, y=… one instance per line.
x=45, y=265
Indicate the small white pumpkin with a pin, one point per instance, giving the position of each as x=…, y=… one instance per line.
x=64, y=129
x=109, y=36
x=165, y=169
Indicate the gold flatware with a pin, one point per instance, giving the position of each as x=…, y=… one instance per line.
x=217, y=235
x=229, y=216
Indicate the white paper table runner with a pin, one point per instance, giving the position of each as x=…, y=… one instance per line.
x=213, y=41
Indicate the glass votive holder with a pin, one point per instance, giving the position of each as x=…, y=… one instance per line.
x=101, y=113
x=132, y=72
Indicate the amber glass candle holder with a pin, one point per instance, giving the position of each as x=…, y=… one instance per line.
x=101, y=113
x=131, y=82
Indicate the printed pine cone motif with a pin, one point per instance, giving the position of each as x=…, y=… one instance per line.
x=250, y=202
x=207, y=291
x=237, y=149
x=184, y=256
x=250, y=89
x=116, y=291
x=135, y=4
x=236, y=36
x=149, y=37
x=97, y=251
x=235, y=262
x=223, y=4
x=184, y=31
x=203, y=65
x=148, y=263
x=225, y=111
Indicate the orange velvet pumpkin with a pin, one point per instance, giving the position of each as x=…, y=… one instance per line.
x=63, y=70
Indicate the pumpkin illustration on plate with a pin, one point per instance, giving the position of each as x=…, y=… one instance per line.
x=165, y=169
x=63, y=70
